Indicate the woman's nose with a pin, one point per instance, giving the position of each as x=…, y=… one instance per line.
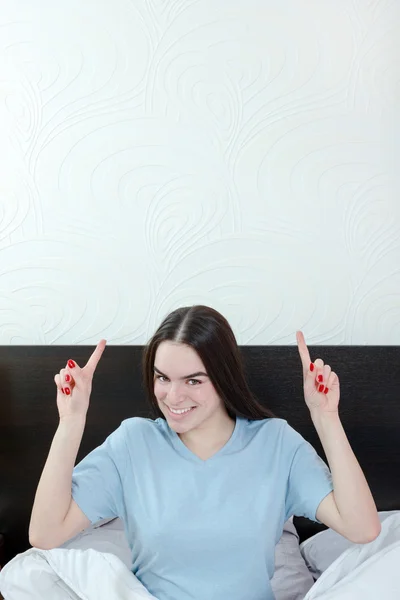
x=175, y=393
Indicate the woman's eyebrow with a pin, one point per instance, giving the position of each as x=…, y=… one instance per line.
x=198, y=374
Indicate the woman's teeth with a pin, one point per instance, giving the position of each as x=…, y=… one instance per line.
x=180, y=411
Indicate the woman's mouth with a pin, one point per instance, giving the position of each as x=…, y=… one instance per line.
x=179, y=413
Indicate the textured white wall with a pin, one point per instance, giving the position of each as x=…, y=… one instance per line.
x=241, y=154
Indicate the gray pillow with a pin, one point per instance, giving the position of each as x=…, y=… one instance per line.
x=104, y=536
x=292, y=580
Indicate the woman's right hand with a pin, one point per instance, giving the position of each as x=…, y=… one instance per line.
x=74, y=385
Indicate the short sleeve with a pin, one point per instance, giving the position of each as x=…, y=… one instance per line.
x=97, y=479
x=309, y=481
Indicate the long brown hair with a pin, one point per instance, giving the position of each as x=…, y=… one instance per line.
x=210, y=335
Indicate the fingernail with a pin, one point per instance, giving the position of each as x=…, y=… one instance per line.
x=67, y=377
x=320, y=377
x=312, y=367
x=68, y=391
x=326, y=390
x=62, y=389
x=71, y=364
x=321, y=388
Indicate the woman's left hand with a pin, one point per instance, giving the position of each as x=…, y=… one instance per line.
x=320, y=383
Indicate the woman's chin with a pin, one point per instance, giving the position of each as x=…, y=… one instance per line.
x=177, y=426
x=180, y=424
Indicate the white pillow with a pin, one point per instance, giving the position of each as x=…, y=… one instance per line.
x=291, y=580
x=322, y=549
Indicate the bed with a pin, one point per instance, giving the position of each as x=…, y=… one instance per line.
x=370, y=412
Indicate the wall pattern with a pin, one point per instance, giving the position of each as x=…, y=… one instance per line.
x=157, y=153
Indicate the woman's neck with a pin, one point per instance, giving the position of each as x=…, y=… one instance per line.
x=208, y=439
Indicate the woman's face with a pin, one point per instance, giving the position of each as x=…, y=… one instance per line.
x=183, y=389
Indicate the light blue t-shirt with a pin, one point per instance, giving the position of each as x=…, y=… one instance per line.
x=202, y=530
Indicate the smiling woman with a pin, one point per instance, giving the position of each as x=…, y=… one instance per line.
x=212, y=479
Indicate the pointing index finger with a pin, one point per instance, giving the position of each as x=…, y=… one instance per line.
x=95, y=357
x=303, y=350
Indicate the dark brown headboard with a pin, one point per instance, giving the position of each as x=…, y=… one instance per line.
x=370, y=411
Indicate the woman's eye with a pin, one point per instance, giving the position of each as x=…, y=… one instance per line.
x=196, y=381
x=161, y=378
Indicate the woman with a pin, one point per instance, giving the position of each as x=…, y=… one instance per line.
x=203, y=490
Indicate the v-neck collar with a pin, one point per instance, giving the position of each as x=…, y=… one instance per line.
x=184, y=451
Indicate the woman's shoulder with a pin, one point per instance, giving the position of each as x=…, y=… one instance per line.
x=133, y=433
x=273, y=430
x=141, y=425
x=267, y=426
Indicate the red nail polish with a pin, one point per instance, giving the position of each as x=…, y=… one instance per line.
x=67, y=377
x=62, y=389
x=312, y=367
x=68, y=391
x=326, y=390
x=71, y=364
x=320, y=377
x=321, y=387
